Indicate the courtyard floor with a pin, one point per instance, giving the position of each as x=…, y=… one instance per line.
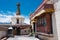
x=22, y=38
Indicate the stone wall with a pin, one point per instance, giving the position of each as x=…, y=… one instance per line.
x=25, y=31
x=2, y=33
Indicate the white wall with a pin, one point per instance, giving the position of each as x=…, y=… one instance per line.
x=49, y=1
x=56, y=20
x=14, y=20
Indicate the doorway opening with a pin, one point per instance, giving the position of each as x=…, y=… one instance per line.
x=18, y=31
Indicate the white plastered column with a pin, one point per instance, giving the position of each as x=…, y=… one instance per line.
x=56, y=21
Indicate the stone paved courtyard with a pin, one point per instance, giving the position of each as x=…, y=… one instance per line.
x=22, y=38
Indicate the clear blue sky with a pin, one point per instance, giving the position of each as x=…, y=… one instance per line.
x=26, y=7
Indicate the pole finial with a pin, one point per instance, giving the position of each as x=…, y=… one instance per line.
x=18, y=9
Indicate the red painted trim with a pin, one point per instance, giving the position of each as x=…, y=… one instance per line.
x=38, y=9
x=40, y=6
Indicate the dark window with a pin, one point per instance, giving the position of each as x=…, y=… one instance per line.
x=41, y=22
x=44, y=21
x=17, y=21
